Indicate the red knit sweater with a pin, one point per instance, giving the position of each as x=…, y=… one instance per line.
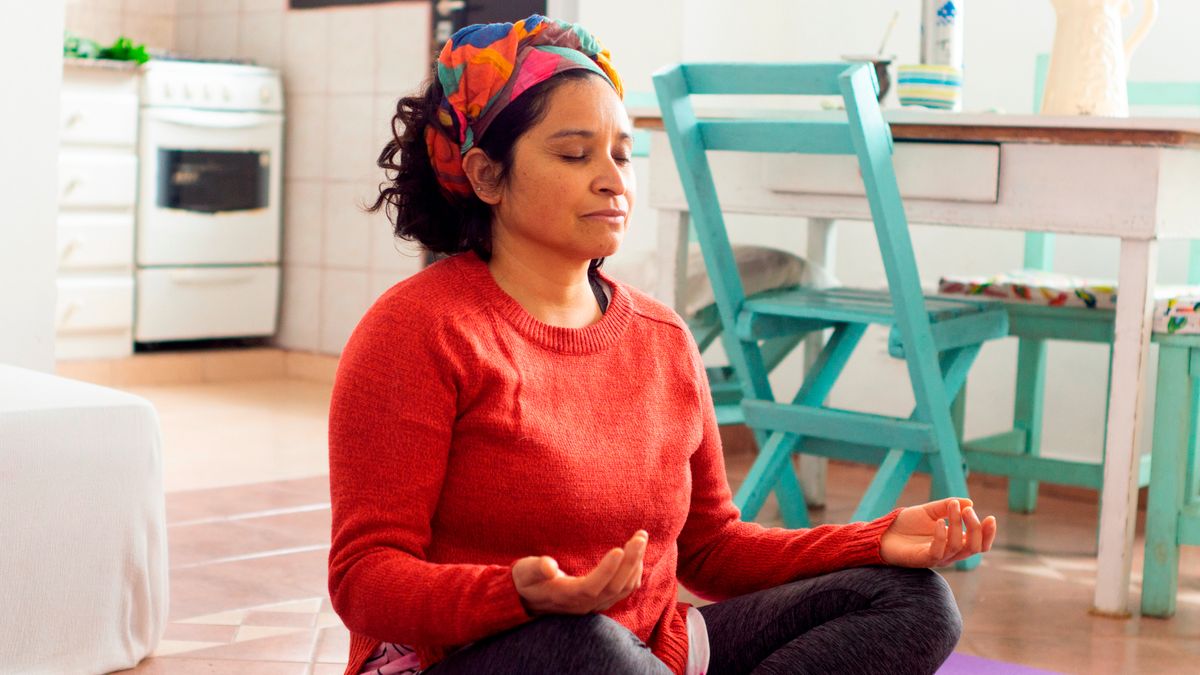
x=465, y=434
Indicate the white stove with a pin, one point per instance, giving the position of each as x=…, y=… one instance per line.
x=209, y=203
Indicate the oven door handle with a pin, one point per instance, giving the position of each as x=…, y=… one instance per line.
x=208, y=119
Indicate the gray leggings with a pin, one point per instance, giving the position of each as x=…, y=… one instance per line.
x=865, y=620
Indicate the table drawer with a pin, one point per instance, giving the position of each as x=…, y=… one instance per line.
x=88, y=304
x=206, y=302
x=90, y=241
x=96, y=178
x=969, y=171
x=98, y=118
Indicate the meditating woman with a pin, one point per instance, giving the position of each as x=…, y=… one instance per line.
x=524, y=455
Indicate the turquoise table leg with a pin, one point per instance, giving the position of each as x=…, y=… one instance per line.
x=1173, y=418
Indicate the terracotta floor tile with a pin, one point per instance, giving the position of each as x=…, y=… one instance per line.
x=194, y=666
x=291, y=619
x=200, y=632
x=333, y=645
x=292, y=647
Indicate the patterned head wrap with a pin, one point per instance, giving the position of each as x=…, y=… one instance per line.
x=485, y=67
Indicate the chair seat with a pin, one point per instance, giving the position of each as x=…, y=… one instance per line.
x=1177, y=308
x=823, y=308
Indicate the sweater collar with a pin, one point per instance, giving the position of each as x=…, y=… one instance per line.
x=587, y=340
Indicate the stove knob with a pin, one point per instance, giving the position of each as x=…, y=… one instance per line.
x=225, y=94
x=187, y=92
x=166, y=90
x=265, y=94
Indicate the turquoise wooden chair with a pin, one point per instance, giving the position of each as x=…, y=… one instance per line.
x=937, y=337
x=1017, y=453
x=1173, y=507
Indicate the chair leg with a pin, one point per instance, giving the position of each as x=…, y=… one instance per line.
x=1174, y=415
x=1027, y=418
x=774, y=461
x=948, y=470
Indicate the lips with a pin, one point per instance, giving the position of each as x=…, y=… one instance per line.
x=606, y=213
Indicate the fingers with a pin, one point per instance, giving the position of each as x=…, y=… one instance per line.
x=979, y=536
x=989, y=532
x=941, y=508
x=535, y=569
x=974, y=541
x=628, y=575
x=937, y=548
x=594, y=583
x=954, y=542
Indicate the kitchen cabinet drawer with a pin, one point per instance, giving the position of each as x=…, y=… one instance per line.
x=87, y=304
x=90, y=241
x=96, y=179
x=971, y=171
x=94, y=118
x=206, y=302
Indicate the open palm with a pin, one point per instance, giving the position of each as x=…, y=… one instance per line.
x=937, y=534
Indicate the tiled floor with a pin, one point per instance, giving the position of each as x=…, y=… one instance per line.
x=248, y=517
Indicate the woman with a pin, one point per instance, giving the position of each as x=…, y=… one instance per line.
x=524, y=456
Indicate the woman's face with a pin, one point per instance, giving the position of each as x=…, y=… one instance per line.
x=570, y=188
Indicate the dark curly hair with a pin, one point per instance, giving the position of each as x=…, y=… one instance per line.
x=414, y=203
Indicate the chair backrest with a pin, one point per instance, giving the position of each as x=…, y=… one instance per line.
x=1039, y=246
x=860, y=131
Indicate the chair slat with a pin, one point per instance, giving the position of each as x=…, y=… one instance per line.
x=840, y=425
x=808, y=79
x=811, y=137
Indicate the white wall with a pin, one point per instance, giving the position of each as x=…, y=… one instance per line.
x=1002, y=40
x=32, y=35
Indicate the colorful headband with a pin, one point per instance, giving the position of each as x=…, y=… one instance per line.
x=485, y=67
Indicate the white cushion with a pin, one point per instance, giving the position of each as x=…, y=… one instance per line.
x=83, y=549
x=762, y=268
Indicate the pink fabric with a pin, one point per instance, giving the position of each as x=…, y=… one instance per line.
x=392, y=659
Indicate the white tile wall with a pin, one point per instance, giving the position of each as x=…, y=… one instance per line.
x=344, y=298
x=350, y=150
x=305, y=135
x=260, y=37
x=304, y=209
x=352, y=52
x=306, y=52
x=300, y=318
x=346, y=236
x=217, y=36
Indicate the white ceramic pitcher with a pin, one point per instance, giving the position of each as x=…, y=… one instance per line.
x=1089, y=64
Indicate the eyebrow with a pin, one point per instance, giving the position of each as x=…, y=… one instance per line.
x=585, y=134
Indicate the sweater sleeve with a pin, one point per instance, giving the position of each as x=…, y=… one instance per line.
x=720, y=556
x=390, y=422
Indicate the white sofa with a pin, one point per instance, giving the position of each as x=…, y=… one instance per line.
x=83, y=548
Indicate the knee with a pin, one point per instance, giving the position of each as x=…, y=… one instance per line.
x=930, y=600
x=603, y=644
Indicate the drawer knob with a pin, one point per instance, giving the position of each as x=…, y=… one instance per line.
x=72, y=307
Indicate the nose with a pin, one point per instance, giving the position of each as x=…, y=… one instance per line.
x=613, y=177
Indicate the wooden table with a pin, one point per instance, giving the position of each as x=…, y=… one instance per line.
x=1134, y=179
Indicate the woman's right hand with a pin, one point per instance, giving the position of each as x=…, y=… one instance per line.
x=545, y=589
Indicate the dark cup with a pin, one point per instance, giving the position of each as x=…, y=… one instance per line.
x=881, y=64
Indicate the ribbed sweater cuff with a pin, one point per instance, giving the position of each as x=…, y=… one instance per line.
x=864, y=549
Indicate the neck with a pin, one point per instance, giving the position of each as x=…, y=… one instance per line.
x=553, y=290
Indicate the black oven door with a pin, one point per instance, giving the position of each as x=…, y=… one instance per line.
x=213, y=181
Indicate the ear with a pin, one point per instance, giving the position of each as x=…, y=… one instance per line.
x=484, y=174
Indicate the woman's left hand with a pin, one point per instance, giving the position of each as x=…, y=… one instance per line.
x=921, y=537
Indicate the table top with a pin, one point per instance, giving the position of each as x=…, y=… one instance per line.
x=908, y=125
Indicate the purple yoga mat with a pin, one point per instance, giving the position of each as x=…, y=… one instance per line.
x=963, y=664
